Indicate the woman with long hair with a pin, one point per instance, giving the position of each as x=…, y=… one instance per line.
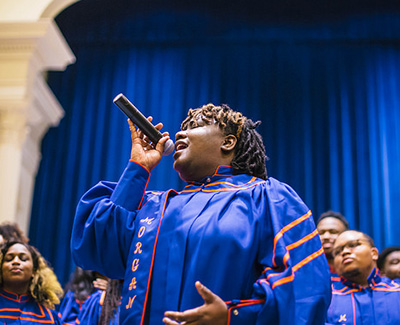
x=28, y=286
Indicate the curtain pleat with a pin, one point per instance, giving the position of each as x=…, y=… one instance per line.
x=327, y=96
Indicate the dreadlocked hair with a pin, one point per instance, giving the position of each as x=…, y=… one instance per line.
x=109, y=310
x=249, y=151
x=44, y=286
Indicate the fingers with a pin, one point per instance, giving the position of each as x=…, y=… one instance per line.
x=214, y=311
x=137, y=133
x=187, y=317
x=204, y=292
x=100, y=284
x=132, y=128
x=169, y=321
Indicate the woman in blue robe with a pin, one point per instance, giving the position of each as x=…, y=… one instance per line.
x=234, y=246
x=28, y=287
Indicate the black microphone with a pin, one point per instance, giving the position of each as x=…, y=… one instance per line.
x=142, y=122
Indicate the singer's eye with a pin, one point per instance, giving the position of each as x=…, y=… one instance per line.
x=193, y=125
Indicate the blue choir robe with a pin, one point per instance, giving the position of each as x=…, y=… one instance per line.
x=24, y=310
x=252, y=242
x=87, y=312
x=334, y=276
x=69, y=309
x=379, y=303
x=91, y=309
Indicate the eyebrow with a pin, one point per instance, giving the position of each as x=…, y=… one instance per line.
x=14, y=254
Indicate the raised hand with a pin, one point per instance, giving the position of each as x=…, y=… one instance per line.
x=142, y=151
x=213, y=312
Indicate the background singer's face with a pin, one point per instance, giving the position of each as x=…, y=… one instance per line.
x=329, y=229
x=198, y=151
x=17, y=266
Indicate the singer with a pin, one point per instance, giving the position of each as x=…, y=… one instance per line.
x=232, y=247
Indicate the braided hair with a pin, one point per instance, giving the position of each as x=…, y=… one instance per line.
x=249, y=151
x=112, y=300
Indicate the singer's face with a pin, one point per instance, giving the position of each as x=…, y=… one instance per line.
x=198, y=151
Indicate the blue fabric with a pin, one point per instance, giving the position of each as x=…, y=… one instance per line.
x=69, y=309
x=91, y=309
x=377, y=304
x=24, y=310
x=248, y=240
x=326, y=92
x=86, y=313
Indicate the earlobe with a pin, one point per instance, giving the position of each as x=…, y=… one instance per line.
x=229, y=143
x=375, y=253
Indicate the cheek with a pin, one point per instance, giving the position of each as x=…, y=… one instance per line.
x=29, y=269
x=336, y=263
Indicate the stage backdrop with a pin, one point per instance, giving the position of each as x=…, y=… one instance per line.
x=327, y=94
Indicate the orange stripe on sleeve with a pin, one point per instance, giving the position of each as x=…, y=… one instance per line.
x=303, y=240
x=299, y=265
x=308, y=259
x=283, y=280
x=286, y=228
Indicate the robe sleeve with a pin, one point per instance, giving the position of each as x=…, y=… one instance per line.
x=91, y=309
x=294, y=287
x=104, y=222
x=68, y=309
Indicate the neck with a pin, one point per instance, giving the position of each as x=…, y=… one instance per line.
x=358, y=277
x=18, y=289
x=331, y=265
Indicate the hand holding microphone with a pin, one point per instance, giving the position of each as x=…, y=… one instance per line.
x=142, y=122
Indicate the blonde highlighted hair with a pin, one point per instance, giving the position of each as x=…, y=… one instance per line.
x=44, y=286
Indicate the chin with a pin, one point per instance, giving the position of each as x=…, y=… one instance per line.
x=351, y=272
x=177, y=167
x=181, y=175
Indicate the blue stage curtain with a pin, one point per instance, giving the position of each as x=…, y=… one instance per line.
x=327, y=95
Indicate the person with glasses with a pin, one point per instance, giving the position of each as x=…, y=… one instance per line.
x=362, y=296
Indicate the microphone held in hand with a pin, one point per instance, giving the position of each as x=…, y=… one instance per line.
x=142, y=122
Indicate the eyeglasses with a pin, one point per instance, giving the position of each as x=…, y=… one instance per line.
x=350, y=245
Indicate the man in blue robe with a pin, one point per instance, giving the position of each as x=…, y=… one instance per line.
x=362, y=296
x=233, y=247
x=330, y=225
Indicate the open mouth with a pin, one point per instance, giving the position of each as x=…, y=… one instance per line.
x=180, y=146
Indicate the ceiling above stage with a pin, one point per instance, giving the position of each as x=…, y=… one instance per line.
x=245, y=10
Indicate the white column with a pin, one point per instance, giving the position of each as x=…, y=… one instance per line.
x=29, y=46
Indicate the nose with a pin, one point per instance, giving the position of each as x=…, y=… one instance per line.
x=16, y=260
x=325, y=235
x=180, y=135
x=346, y=250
